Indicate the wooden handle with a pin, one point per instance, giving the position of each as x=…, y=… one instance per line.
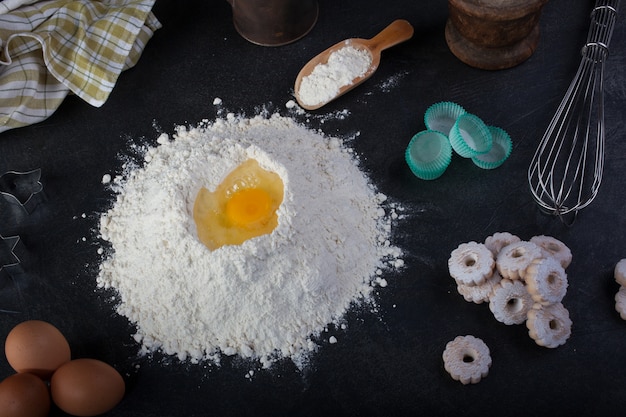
x=398, y=31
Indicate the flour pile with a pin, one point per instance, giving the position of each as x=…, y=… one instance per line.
x=325, y=81
x=268, y=297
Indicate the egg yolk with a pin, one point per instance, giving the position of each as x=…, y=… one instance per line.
x=249, y=206
x=243, y=206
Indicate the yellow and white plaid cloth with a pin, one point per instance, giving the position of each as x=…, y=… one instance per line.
x=53, y=47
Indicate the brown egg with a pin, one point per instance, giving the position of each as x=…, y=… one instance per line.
x=86, y=387
x=24, y=395
x=36, y=347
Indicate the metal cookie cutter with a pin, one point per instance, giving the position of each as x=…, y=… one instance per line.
x=22, y=188
x=11, y=249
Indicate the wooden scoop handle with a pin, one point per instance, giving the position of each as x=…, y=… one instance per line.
x=397, y=32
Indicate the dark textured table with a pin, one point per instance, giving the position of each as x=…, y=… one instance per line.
x=386, y=363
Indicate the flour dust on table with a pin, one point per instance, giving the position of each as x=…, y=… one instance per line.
x=269, y=297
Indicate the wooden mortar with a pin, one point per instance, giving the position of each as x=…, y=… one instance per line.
x=493, y=34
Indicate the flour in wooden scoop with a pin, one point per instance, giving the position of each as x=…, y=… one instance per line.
x=269, y=297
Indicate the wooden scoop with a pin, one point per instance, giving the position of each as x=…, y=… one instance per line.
x=397, y=32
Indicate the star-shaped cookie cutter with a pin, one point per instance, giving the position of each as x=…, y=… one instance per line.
x=22, y=188
x=10, y=262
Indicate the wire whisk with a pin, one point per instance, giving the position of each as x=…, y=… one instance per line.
x=566, y=171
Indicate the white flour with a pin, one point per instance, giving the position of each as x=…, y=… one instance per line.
x=264, y=299
x=324, y=82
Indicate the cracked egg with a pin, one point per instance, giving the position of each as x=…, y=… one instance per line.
x=243, y=206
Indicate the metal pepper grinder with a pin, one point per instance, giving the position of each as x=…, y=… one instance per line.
x=493, y=34
x=274, y=22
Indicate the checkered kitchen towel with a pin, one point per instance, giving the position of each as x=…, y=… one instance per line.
x=51, y=48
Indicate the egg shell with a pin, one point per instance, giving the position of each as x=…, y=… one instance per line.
x=24, y=395
x=36, y=347
x=86, y=387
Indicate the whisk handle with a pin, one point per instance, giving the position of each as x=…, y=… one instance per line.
x=603, y=18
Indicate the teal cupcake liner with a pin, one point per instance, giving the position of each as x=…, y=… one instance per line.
x=428, y=154
x=470, y=136
x=442, y=116
x=500, y=150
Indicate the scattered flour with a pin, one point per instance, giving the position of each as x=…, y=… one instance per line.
x=324, y=82
x=271, y=296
